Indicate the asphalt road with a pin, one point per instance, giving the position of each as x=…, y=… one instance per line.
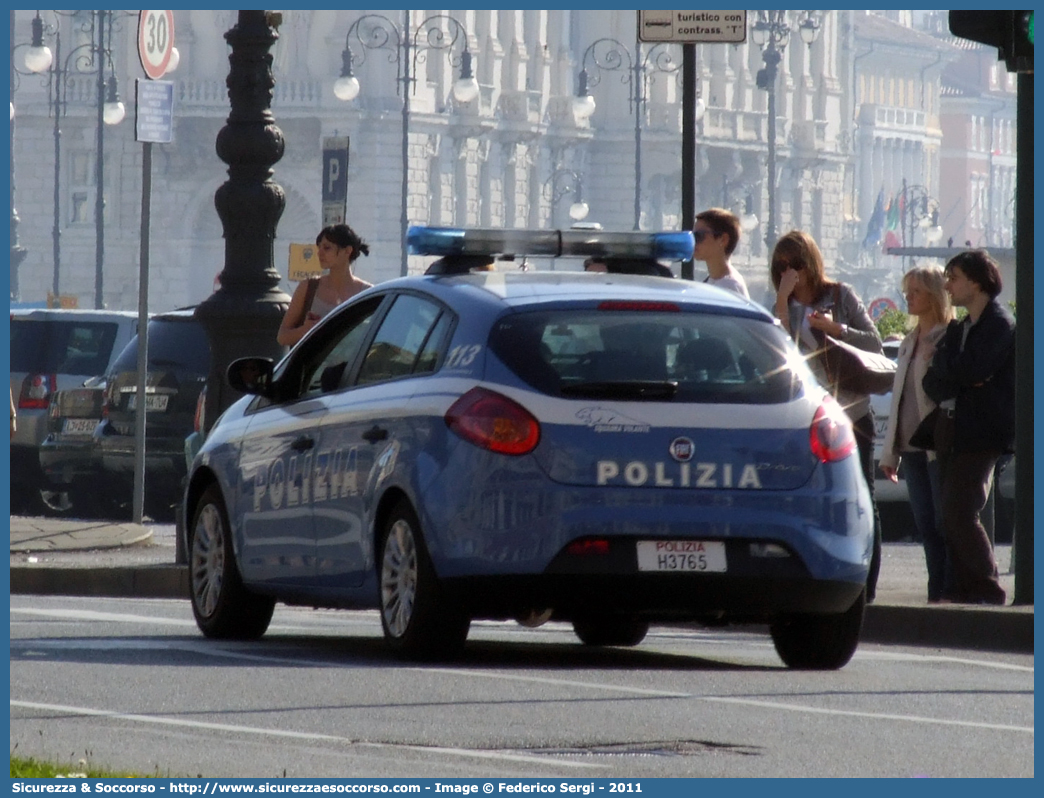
x=130, y=683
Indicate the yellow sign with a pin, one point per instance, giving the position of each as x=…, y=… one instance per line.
x=304, y=262
x=67, y=301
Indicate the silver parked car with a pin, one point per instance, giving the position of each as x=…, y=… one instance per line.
x=52, y=350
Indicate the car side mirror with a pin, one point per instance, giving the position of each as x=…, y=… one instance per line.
x=252, y=375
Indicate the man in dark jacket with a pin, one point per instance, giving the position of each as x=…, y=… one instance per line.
x=972, y=378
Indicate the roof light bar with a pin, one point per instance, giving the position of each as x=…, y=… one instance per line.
x=443, y=241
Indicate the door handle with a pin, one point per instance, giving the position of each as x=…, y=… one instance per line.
x=375, y=434
x=303, y=444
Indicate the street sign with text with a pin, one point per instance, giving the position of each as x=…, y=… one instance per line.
x=692, y=27
x=155, y=114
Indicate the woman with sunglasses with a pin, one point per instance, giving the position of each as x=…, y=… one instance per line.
x=811, y=306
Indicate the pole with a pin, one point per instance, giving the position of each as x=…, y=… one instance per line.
x=404, y=217
x=639, y=99
x=688, y=154
x=770, y=230
x=903, y=203
x=18, y=252
x=1023, y=546
x=99, y=187
x=56, y=232
x=138, y=503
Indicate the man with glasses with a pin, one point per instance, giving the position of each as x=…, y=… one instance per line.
x=717, y=234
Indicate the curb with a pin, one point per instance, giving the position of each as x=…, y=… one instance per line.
x=1001, y=629
x=1007, y=629
x=147, y=581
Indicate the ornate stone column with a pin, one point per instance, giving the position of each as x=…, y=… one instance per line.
x=243, y=315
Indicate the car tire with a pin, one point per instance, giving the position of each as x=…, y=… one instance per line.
x=419, y=620
x=819, y=642
x=610, y=630
x=223, y=607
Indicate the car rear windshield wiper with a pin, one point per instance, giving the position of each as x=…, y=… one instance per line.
x=630, y=389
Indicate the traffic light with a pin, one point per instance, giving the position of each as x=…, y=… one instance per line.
x=1011, y=32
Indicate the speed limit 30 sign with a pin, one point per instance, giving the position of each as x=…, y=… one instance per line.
x=155, y=41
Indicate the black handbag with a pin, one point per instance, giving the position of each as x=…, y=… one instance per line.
x=855, y=370
x=924, y=436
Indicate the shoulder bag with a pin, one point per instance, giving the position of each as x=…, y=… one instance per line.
x=854, y=370
x=313, y=286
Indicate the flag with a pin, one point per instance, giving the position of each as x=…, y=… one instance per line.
x=891, y=239
x=875, y=227
x=893, y=212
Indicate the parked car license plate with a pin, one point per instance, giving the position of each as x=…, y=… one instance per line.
x=153, y=401
x=681, y=555
x=79, y=426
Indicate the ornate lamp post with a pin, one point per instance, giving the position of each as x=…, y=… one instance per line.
x=90, y=58
x=242, y=317
x=405, y=50
x=638, y=70
x=560, y=183
x=18, y=252
x=771, y=32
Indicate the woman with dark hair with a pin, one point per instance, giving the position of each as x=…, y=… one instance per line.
x=338, y=247
x=928, y=303
x=810, y=306
x=972, y=377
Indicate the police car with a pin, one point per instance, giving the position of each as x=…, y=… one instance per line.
x=605, y=449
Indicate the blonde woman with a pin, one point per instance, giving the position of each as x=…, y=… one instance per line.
x=927, y=301
x=338, y=247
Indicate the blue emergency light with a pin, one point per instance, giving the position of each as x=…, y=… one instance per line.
x=509, y=243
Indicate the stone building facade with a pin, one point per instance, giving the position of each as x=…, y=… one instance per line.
x=516, y=156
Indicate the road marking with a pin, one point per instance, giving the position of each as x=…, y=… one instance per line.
x=286, y=733
x=982, y=663
x=855, y=714
x=95, y=615
x=555, y=682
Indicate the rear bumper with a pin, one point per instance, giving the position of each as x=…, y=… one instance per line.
x=711, y=598
x=65, y=462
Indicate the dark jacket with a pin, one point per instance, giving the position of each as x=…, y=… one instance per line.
x=981, y=377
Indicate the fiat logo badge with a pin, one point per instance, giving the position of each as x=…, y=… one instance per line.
x=682, y=449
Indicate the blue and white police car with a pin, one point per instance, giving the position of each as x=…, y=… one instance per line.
x=605, y=449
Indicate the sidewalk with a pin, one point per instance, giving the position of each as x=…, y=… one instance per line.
x=52, y=556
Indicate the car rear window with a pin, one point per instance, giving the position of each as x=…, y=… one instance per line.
x=52, y=346
x=662, y=356
x=172, y=344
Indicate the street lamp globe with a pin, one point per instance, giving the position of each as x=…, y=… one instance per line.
x=578, y=211
x=700, y=109
x=809, y=30
x=113, y=110
x=346, y=87
x=748, y=222
x=38, y=58
x=466, y=89
x=175, y=59
x=583, y=106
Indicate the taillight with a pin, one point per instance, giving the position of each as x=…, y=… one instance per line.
x=588, y=546
x=494, y=422
x=831, y=436
x=634, y=304
x=36, y=391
